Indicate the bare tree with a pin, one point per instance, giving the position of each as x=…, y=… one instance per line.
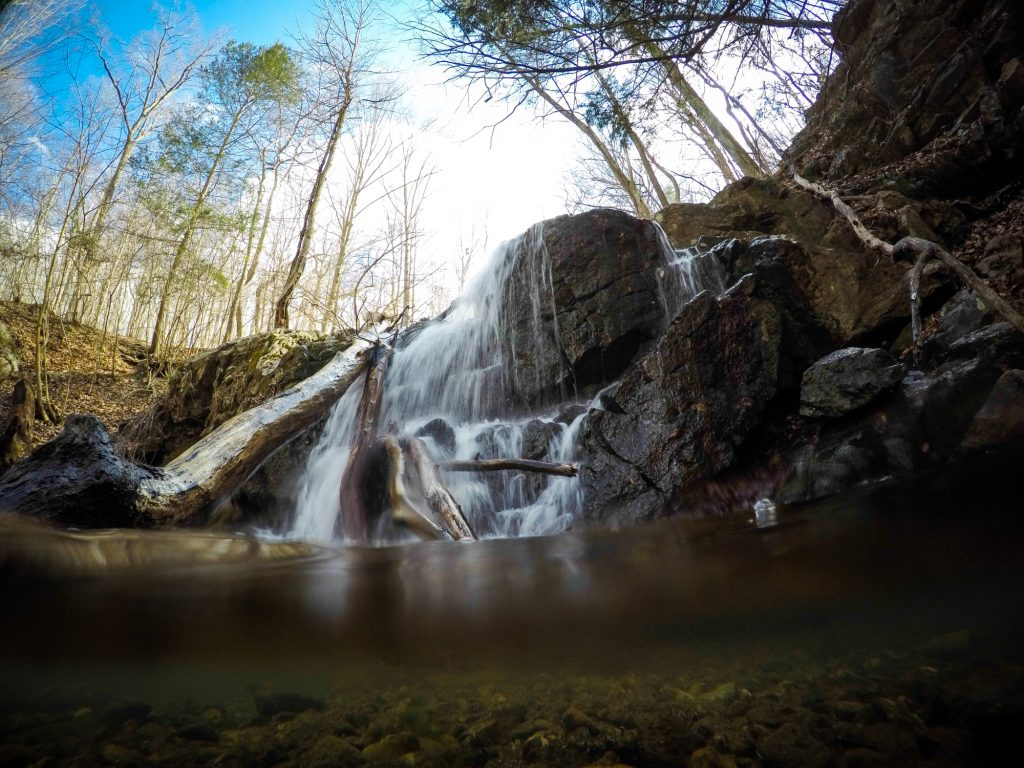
x=340, y=56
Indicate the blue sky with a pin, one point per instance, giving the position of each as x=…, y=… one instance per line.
x=257, y=21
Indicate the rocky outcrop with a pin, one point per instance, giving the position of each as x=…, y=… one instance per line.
x=209, y=389
x=751, y=208
x=681, y=410
x=927, y=96
x=579, y=309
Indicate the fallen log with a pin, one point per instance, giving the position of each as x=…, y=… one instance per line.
x=524, y=465
x=403, y=509
x=438, y=497
x=79, y=479
x=354, y=518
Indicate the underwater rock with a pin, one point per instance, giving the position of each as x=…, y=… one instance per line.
x=270, y=704
x=846, y=380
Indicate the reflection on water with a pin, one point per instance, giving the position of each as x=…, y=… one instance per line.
x=881, y=628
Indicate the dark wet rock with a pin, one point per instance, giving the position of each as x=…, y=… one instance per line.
x=959, y=317
x=998, y=345
x=441, y=432
x=570, y=413
x=271, y=704
x=1003, y=253
x=827, y=298
x=846, y=380
x=683, y=408
x=604, y=294
x=497, y=442
x=1001, y=418
x=78, y=479
x=538, y=437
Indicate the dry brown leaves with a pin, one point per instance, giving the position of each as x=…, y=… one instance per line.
x=90, y=371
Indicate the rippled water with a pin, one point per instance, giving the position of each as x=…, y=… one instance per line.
x=883, y=627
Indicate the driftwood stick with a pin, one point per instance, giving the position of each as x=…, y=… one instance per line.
x=921, y=250
x=525, y=465
x=403, y=510
x=914, y=278
x=847, y=212
x=438, y=497
x=966, y=275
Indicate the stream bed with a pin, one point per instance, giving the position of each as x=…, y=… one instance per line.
x=882, y=627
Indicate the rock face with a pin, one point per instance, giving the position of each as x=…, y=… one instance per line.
x=602, y=298
x=211, y=388
x=681, y=410
x=846, y=380
x=1001, y=418
x=935, y=86
x=751, y=208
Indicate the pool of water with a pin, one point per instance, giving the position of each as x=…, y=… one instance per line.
x=882, y=627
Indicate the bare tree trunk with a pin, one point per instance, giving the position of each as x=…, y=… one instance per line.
x=298, y=263
x=624, y=179
x=721, y=135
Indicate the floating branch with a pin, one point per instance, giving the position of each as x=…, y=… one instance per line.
x=525, y=465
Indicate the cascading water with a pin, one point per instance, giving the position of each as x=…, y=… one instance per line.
x=450, y=383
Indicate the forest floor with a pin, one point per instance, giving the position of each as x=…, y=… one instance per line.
x=89, y=371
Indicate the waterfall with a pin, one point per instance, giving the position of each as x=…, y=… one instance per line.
x=451, y=381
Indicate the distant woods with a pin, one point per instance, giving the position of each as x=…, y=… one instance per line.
x=187, y=190
x=671, y=98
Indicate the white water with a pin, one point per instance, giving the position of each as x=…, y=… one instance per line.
x=455, y=369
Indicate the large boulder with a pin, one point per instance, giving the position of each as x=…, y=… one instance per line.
x=681, y=410
x=579, y=309
x=846, y=380
x=1001, y=419
x=210, y=388
x=751, y=208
